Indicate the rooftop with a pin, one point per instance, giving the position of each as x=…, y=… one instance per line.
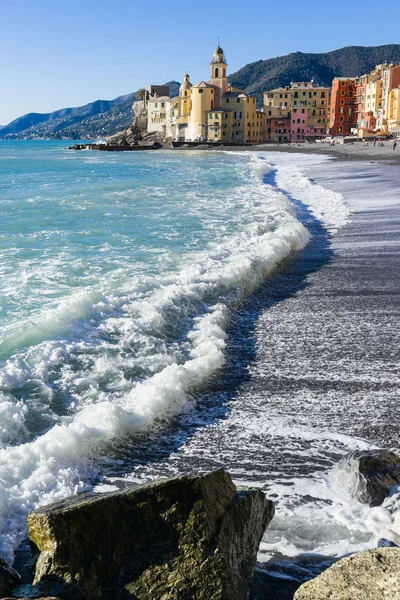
x=203, y=84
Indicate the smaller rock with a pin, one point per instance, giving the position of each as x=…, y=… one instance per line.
x=9, y=578
x=369, y=575
x=369, y=475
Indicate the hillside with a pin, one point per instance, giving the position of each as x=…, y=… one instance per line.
x=97, y=119
x=350, y=61
x=107, y=117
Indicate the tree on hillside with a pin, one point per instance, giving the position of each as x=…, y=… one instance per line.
x=140, y=93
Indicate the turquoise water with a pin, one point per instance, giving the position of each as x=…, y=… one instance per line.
x=133, y=346
x=118, y=273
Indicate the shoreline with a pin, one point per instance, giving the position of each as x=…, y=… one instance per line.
x=356, y=151
x=353, y=152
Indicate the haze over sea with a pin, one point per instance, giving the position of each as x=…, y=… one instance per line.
x=169, y=311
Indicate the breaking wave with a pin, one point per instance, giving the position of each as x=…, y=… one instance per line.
x=103, y=363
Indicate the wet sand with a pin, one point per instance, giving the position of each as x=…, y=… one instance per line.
x=313, y=373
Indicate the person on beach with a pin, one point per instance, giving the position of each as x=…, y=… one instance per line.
x=374, y=142
x=394, y=145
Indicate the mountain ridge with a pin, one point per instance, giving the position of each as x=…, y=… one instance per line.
x=350, y=61
x=104, y=118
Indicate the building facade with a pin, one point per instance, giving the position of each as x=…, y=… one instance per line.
x=343, y=109
x=375, y=101
x=208, y=111
x=297, y=113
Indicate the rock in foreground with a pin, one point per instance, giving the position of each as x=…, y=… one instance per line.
x=187, y=538
x=8, y=578
x=369, y=575
x=369, y=474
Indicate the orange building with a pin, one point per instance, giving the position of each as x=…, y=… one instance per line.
x=343, y=106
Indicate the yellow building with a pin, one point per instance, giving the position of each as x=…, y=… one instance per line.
x=209, y=111
x=393, y=111
x=278, y=98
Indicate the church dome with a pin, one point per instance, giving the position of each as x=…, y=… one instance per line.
x=218, y=50
x=185, y=85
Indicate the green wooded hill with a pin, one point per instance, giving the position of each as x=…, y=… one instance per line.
x=351, y=61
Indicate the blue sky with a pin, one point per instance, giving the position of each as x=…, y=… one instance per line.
x=54, y=55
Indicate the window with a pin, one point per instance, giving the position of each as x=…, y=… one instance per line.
x=238, y=100
x=227, y=100
x=162, y=104
x=200, y=91
x=216, y=72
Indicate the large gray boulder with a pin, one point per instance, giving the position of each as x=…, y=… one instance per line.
x=369, y=575
x=9, y=578
x=369, y=475
x=185, y=538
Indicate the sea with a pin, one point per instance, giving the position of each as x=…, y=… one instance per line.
x=168, y=312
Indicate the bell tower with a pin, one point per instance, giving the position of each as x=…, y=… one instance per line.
x=218, y=75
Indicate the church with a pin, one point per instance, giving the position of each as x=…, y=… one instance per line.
x=212, y=111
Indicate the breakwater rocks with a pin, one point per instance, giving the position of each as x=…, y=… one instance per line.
x=369, y=575
x=187, y=538
x=115, y=147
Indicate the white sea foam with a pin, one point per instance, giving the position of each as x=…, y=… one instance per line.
x=88, y=343
x=328, y=206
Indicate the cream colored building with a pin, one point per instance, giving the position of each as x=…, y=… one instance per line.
x=157, y=114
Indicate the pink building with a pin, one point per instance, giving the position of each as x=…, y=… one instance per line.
x=299, y=127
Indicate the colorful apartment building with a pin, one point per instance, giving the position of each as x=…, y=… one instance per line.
x=374, y=100
x=314, y=100
x=343, y=106
x=297, y=113
x=393, y=111
x=277, y=107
